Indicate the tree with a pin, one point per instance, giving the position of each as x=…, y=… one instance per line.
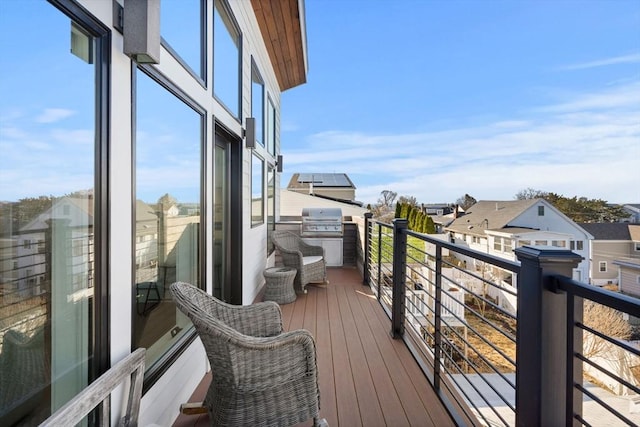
x=530, y=193
x=578, y=209
x=398, y=210
x=466, y=201
x=409, y=200
x=387, y=198
x=606, y=321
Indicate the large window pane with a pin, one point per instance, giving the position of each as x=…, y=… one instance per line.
x=168, y=152
x=257, y=190
x=186, y=40
x=47, y=210
x=226, y=59
x=271, y=207
x=257, y=103
x=271, y=127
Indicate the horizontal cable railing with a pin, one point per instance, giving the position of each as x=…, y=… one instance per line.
x=462, y=314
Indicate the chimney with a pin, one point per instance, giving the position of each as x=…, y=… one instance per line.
x=455, y=211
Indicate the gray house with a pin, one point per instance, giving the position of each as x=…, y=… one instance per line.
x=611, y=242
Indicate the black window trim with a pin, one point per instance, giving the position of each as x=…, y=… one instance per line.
x=155, y=372
x=101, y=342
x=238, y=116
x=202, y=78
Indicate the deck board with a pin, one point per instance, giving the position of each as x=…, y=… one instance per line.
x=366, y=378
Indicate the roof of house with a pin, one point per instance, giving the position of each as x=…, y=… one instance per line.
x=320, y=180
x=607, y=230
x=632, y=263
x=634, y=232
x=490, y=215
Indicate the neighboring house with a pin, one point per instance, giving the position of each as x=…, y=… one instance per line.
x=499, y=227
x=336, y=186
x=634, y=213
x=611, y=241
x=629, y=276
x=179, y=190
x=292, y=203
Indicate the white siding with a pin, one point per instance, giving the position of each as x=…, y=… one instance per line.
x=160, y=404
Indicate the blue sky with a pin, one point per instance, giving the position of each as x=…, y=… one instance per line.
x=435, y=99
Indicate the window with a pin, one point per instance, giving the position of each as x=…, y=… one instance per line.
x=508, y=247
x=638, y=280
x=497, y=244
x=226, y=59
x=271, y=127
x=602, y=266
x=185, y=42
x=637, y=246
x=60, y=107
x=257, y=190
x=168, y=224
x=257, y=102
x=541, y=243
x=540, y=210
x=271, y=207
x=579, y=245
x=559, y=243
x=522, y=243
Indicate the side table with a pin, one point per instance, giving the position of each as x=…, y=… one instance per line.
x=279, y=284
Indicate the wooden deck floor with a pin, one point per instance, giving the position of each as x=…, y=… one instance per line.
x=366, y=377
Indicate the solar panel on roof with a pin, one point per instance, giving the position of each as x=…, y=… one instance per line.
x=325, y=179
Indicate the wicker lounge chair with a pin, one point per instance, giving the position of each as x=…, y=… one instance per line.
x=307, y=259
x=261, y=376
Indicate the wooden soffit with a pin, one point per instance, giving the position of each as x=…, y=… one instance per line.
x=282, y=24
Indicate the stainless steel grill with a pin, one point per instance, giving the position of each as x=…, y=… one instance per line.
x=321, y=222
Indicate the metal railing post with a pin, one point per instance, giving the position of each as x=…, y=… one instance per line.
x=399, y=273
x=437, y=320
x=379, y=282
x=541, y=337
x=367, y=251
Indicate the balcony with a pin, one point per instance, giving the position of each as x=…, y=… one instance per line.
x=366, y=377
x=515, y=342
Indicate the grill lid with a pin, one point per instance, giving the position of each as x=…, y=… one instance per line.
x=317, y=222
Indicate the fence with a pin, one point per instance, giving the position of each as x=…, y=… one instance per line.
x=502, y=341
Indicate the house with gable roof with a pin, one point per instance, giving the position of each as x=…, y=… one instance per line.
x=498, y=227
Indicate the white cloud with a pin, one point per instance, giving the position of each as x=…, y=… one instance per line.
x=588, y=145
x=632, y=58
x=52, y=115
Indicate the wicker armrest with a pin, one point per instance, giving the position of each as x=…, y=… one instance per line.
x=261, y=362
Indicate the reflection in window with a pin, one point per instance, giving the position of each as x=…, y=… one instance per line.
x=47, y=210
x=271, y=127
x=167, y=212
x=185, y=40
x=271, y=206
x=257, y=102
x=257, y=192
x=226, y=59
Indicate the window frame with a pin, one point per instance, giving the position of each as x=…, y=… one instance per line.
x=224, y=10
x=201, y=74
x=159, y=368
x=261, y=219
x=271, y=126
x=258, y=81
x=540, y=210
x=602, y=266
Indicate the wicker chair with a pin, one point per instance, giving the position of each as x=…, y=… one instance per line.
x=307, y=259
x=261, y=376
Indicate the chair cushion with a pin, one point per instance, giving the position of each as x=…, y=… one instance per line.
x=306, y=260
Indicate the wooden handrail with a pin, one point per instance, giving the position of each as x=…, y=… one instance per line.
x=99, y=392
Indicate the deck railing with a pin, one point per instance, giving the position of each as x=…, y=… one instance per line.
x=504, y=342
